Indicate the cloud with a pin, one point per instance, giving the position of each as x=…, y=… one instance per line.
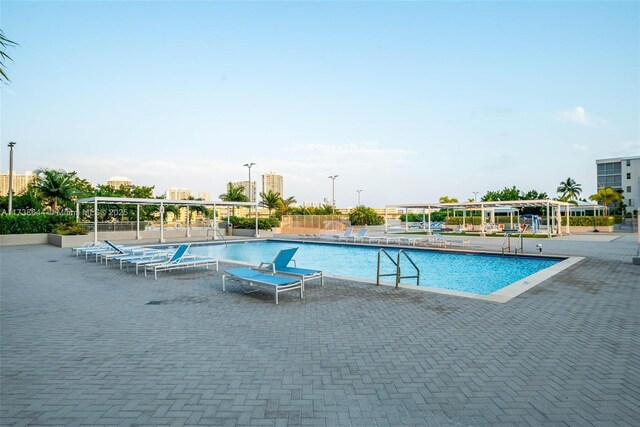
x=577, y=115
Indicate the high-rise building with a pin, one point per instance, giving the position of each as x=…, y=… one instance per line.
x=118, y=181
x=204, y=195
x=174, y=193
x=621, y=173
x=20, y=183
x=245, y=185
x=272, y=182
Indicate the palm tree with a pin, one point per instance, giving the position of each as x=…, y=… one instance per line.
x=4, y=44
x=235, y=193
x=55, y=186
x=570, y=189
x=284, y=206
x=270, y=200
x=606, y=196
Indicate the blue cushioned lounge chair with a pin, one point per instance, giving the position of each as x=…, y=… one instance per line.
x=179, y=261
x=280, y=265
x=255, y=278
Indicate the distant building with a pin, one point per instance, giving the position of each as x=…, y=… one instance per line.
x=20, y=182
x=118, y=181
x=245, y=185
x=308, y=204
x=174, y=193
x=272, y=182
x=204, y=195
x=621, y=173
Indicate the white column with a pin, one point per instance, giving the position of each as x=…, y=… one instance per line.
x=137, y=222
x=95, y=220
x=482, y=220
x=77, y=212
x=161, y=222
x=188, y=234
x=424, y=219
x=406, y=219
x=548, y=225
x=429, y=218
x=215, y=224
x=568, y=227
x=257, y=229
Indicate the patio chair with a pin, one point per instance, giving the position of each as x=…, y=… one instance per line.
x=256, y=278
x=179, y=261
x=347, y=233
x=451, y=242
x=280, y=265
x=360, y=236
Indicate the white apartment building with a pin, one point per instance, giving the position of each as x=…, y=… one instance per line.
x=272, y=182
x=118, y=181
x=245, y=185
x=174, y=193
x=621, y=173
x=19, y=184
x=204, y=195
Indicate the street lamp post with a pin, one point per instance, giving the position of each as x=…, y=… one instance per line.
x=333, y=192
x=359, y=191
x=475, y=194
x=248, y=165
x=11, y=145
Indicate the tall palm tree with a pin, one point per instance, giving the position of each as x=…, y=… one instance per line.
x=270, y=200
x=4, y=44
x=606, y=196
x=570, y=189
x=284, y=206
x=55, y=186
x=235, y=193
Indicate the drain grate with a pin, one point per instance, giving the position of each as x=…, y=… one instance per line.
x=53, y=260
x=155, y=302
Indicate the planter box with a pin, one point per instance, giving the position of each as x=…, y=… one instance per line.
x=23, y=239
x=68, y=241
x=251, y=232
x=587, y=229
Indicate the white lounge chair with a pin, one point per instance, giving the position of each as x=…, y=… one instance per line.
x=256, y=278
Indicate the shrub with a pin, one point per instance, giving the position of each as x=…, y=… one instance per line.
x=589, y=221
x=31, y=224
x=70, y=229
x=250, y=223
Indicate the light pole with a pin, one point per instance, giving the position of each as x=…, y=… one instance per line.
x=333, y=192
x=248, y=165
x=475, y=194
x=359, y=191
x=11, y=145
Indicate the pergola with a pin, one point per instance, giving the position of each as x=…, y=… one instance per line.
x=95, y=201
x=554, y=209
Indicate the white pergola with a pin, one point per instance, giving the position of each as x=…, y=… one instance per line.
x=554, y=210
x=95, y=201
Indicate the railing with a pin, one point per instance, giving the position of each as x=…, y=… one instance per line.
x=506, y=245
x=217, y=230
x=398, y=273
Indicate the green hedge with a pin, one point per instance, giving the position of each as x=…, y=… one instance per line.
x=31, y=224
x=589, y=221
x=250, y=223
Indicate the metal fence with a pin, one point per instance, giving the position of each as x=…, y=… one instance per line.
x=313, y=224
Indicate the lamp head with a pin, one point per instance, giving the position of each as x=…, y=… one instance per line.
x=11, y=144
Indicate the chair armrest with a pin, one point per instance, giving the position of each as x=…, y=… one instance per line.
x=267, y=266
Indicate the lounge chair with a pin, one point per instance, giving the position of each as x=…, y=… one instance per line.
x=338, y=237
x=85, y=246
x=360, y=236
x=179, y=261
x=254, y=278
x=451, y=242
x=146, y=259
x=280, y=263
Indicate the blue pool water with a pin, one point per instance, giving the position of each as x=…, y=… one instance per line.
x=474, y=273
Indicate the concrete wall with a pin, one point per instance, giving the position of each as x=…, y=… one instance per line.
x=589, y=228
x=23, y=239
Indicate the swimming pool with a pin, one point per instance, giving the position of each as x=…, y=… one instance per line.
x=479, y=274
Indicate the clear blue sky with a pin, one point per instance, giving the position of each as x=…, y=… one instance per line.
x=406, y=101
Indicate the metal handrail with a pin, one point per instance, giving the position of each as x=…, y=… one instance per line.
x=216, y=230
x=396, y=262
x=399, y=276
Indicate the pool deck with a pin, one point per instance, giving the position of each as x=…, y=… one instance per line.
x=81, y=345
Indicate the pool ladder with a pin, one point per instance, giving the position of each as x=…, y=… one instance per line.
x=506, y=245
x=396, y=262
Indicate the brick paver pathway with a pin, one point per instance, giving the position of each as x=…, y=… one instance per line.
x=82, y=344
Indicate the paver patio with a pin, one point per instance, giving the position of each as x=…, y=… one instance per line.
x=82, y=344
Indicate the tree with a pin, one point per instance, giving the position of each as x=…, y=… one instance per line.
x=55, y=186
x=570, y=189
x=284, y=207
x=447, y=199
x=5, y=43
x=362, y=215
x=270, y=200
x=235, y=193
x=606, y=196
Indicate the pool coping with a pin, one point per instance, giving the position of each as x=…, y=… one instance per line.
x=502, y=295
